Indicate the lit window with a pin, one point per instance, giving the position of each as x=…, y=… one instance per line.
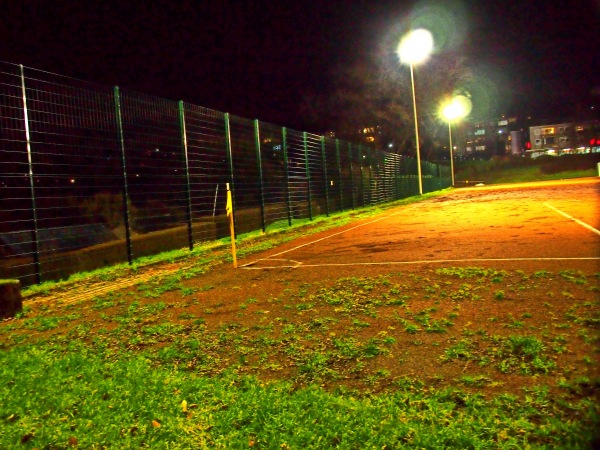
x=548, y=130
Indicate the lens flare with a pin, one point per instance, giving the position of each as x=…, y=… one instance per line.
x=448, y=21
x=484, y=94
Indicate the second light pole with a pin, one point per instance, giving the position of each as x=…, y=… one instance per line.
x=415, y=48
x=454, y=110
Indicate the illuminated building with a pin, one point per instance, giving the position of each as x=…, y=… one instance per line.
x=564, y=138
x=503, y=136
x=370, y=135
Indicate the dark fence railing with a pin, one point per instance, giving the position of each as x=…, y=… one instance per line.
x=92, y=176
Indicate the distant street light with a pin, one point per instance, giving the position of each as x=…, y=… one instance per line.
x=457, y=108
x=415, y=48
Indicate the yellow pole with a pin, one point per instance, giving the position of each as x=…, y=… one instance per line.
x=229, y=209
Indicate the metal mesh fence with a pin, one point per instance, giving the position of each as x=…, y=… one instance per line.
x=208, y=170
x=245, y=178
x=274, y=174
x=334, y=174
x=91, y=175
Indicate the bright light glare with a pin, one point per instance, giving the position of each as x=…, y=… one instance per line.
x=459, y=107
x=415, y=47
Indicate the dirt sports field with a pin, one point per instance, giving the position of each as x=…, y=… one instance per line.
x=550, y=225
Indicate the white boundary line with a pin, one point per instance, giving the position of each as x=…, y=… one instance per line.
x=425, y=261
x=330, y=236
x=583, y=224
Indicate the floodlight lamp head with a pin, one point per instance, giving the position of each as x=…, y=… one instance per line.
x=415, y=47
x=459, y=107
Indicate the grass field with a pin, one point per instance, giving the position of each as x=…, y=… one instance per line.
x=522, y=170
x=523, y=175
x=428, y=357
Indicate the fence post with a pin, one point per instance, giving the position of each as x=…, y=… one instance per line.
x=396, y=178
x=370, y=177
x=188, y=189
x=376, y=177
x=34, y=231
x=309, y=196
x=380, y=178
x=339, y=167
x=351, y=176
x=124, y=167
x=288, y=200
x=230, y=167
x=324, y=162
x=362, y=181
x=260, y=175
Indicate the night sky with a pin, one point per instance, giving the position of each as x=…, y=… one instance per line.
x=261, y=59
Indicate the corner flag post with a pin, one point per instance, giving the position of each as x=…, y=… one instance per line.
x=229, y=209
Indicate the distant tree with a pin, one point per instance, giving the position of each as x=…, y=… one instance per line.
x=375, y=89
x=378, y=92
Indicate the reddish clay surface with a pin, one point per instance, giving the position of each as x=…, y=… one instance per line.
x=508, y=226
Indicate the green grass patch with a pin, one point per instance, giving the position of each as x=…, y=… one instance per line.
x=91, y=400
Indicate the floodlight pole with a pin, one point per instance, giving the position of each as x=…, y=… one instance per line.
x=451, y=151
x=457, y=108
x=412, y=81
